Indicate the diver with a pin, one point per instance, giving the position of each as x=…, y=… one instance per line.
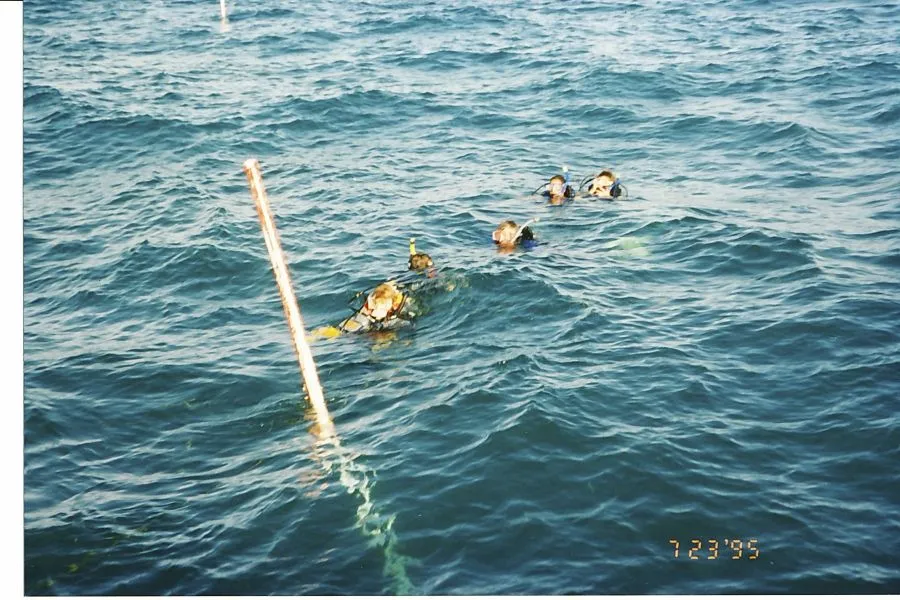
x=509, y=235
x=604, y=185
x=419, y=261
x=390, y=304
x=558, y=188
x=387, y=307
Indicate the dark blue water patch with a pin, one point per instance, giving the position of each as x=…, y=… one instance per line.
x=886, y=115
x=860, y=99
x=38, y=96
x=596, y=116
x=33, y=244
x=134, y=381
x=890, y=259
x=73, y=250
x=419, y=23
x=809, y=274
x=796, y=180
x=259, y=14
x=749, y=86
x=775, y=139
x=199, y=34
x=820, y=77
x=163, y=528
x=79, y=303
x=178, y=80
x=606, y=8
x=872, y=70
x=474, y=119
x=230, y=125
x=126, y=129
x=452, y=59
x=357, y=110
x=292, y=43
x=726, y=250
x=49, y=110
x=476, y=15
x=115, y=141
x=172, y=97
x=160, y=267
x=635, y=84
x=884, y=151
x=759, y=250
x=139, y=190
x=37, y=12
x=224, y=227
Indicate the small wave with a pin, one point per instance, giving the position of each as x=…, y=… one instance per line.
x=190, y=270
x=39, y=94
x=353, y=110
x=886, y=116
x=453, y=59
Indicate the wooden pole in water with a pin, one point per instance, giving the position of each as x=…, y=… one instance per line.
x=288, y=300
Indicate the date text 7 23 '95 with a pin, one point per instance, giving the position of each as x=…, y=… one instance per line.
x=738, y=549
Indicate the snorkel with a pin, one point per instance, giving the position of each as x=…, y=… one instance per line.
x=507, y=238
x=523, y=227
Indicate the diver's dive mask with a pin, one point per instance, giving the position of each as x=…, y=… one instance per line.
x=558, y=188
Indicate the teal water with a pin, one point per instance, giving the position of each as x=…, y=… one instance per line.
x=714, y=359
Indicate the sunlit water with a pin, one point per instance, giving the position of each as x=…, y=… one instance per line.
x=714, y=359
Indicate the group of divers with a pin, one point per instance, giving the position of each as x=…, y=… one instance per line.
x=390, y=305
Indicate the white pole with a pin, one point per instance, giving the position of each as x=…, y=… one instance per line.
x=288, y=300
x=224, y=12
x=356, y=479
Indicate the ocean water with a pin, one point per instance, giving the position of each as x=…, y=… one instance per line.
x=714, y=359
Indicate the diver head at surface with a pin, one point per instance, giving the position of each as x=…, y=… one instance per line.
x=508, y=235
x=558, y=190
x=605, y=185
x=419, y=261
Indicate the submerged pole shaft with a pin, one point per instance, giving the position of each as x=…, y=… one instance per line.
x=288, y=300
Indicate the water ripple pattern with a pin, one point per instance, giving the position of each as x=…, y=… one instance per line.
x=714, y=359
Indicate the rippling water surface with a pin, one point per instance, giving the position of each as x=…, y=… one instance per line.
x=714, y=359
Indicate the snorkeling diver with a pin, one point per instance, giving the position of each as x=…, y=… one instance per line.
x=508, y=235
x=558, y=188
x=605, y=185
x=389, y=305
x=386, y=307
x=419, y=261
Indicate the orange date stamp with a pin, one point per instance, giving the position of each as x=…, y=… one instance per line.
x=739, y=549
